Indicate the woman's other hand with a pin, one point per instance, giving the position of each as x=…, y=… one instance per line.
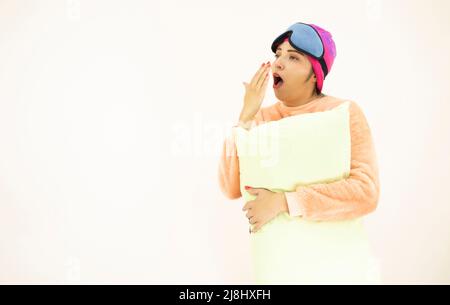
x=265, y=207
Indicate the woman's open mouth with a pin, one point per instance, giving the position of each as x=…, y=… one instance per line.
x=277, y=81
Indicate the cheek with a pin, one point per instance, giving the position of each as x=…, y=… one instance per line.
x=298, y=75
x=298, y=70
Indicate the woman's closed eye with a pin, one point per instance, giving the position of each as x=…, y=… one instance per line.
x=276, y=56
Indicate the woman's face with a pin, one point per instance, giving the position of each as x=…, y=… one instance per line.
x=296, y=71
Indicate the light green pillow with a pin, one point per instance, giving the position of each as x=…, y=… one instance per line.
x=301, y=150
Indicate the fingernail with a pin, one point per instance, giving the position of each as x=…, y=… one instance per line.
x=247, y=187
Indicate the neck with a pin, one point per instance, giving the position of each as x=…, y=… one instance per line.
x=303, y=100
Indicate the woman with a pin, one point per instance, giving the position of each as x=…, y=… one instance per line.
x=304, y=55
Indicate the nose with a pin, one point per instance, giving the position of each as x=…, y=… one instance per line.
x=277, y=64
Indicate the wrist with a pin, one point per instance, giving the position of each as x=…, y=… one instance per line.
x=282, y=203
x=246, y=115
x=244, y=124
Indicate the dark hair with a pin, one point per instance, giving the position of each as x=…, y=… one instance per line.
x=311, y=72
x=317, y=90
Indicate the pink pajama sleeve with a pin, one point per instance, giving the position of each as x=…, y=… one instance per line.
x=348, y=198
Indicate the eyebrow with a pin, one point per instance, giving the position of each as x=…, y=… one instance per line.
x=291, y=50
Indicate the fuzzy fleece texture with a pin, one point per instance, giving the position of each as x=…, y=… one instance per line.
x=349, y=198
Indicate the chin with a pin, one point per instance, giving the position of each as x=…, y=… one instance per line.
x=279, y=95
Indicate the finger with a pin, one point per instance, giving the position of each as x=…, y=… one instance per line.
x=254, y=228
x=260, y=190
x=262, y=77
x=266, y=81
x=247, y=206
x=257, y=77
x=252, y=190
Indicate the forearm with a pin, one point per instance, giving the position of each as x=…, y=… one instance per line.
x=228, y=170
x=245, y=120
x=348, y=198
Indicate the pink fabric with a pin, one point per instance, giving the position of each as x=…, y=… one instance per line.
x=329, y=55
x=317, y=68
x=293, y=204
